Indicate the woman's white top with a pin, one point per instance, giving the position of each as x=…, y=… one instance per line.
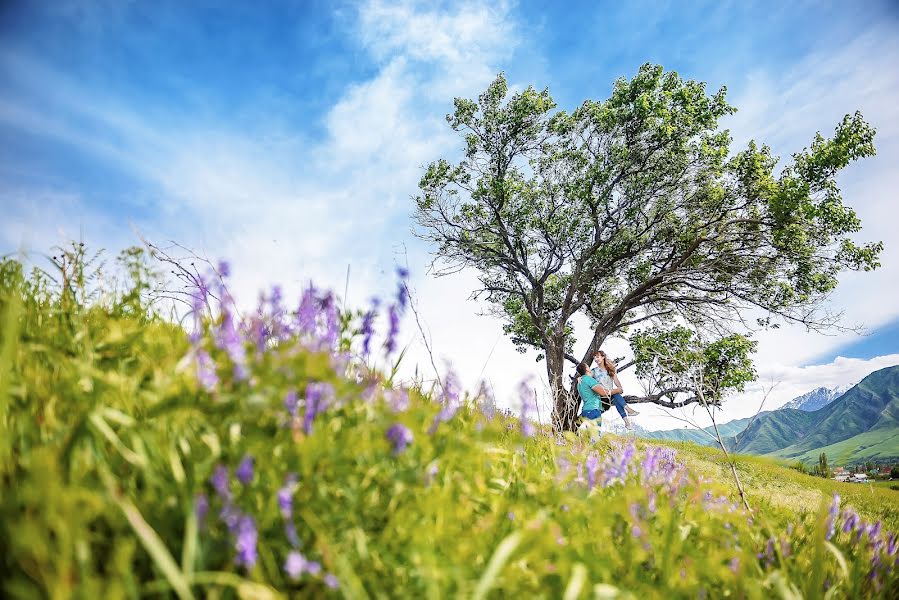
x=603, y=378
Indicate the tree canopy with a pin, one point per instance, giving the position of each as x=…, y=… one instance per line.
x=634, y=212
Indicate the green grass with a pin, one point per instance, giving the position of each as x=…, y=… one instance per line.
x=878, y=445
x=111, y=432
x=769, y=483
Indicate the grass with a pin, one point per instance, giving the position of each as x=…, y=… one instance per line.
x=773, y=484
x=265, y=459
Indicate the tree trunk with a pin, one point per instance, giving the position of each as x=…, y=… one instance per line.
x=564, y=407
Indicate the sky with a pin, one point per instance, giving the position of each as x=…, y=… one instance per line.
x=290, y=139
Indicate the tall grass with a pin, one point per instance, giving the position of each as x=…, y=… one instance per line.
x=259, y=456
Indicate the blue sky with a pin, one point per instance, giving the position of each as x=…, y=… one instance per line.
x=289, y=139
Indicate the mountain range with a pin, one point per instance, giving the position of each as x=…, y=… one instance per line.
x=818, y=398
x=850, y=425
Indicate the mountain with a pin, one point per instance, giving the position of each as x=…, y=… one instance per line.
x=817, y=398
x=851, y=426
x=862, y=424
x=703, y=437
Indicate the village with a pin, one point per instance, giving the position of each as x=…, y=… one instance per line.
x=866, y=473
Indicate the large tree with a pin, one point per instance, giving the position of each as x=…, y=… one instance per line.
x=634, y=212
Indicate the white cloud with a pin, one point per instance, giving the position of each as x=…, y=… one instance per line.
x=785, y=109
x=286, y=210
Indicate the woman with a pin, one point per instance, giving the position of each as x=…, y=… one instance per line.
x=606, y=374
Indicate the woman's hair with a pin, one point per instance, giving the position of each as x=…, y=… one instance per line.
x=582, y=368
x=607, y=363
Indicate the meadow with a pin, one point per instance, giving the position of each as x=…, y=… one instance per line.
x=262, y=454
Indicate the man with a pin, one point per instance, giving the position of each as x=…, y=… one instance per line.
x=591, y=393
x=606, y=375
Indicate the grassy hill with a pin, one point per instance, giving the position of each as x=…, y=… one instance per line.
x=266, y=458
x=770, y=482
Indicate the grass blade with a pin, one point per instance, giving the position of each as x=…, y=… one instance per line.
x=497, y=561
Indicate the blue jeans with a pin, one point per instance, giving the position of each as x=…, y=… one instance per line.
x=592, y=414
x=618, y=401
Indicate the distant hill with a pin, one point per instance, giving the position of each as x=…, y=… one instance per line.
x=817, y=398
x=690, y=434
x=858, y=425
x=862, y=424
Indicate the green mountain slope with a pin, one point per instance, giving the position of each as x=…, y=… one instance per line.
x=863, y=424
x=728, y=432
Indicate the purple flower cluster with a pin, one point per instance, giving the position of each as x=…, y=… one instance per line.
x=240, y=525
x=658, y=467
x=368, y=327
x=881, y=544
x=206, y=374
x=285, y=505
x=525, y=399
x=318, y=397
x=291, y=403
x=244, y=470
x=400, y=436
x=450, y=399
x=396, y=310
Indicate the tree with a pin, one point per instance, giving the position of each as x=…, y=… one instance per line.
x=821, y=469
x=634, y=213
x=894, y=473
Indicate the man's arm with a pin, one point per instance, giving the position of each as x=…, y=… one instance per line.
x=600, y=390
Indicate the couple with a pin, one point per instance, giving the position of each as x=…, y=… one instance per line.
x=600, y=388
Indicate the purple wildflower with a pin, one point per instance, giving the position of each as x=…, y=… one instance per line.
x=230, y=516
x=332, y=321
x=201, y=507
x=308, y=310
x=313, y=567
x=295, y=564
x=735, y=564
x=290, y=532
x=244, y=470
x=524, y=398
x=850, y=519
x=228, y=339
x=592, y=467
x=451, y=399
x=224, y=269
x=832, y=516
x=398, y=398
x=488, y=402
x=246, y=542
x=290, y=402
x=874, y=530
x=394, y=315
x=636, y=532
x=318, y=396
x=618, y=465
x=220, y=482
x=400, y=436
x=402, y=293
x=285, y=496
x=368, y=329
x=331, y=581
x=206, y=374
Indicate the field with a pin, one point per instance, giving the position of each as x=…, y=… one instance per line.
x=262, y=455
